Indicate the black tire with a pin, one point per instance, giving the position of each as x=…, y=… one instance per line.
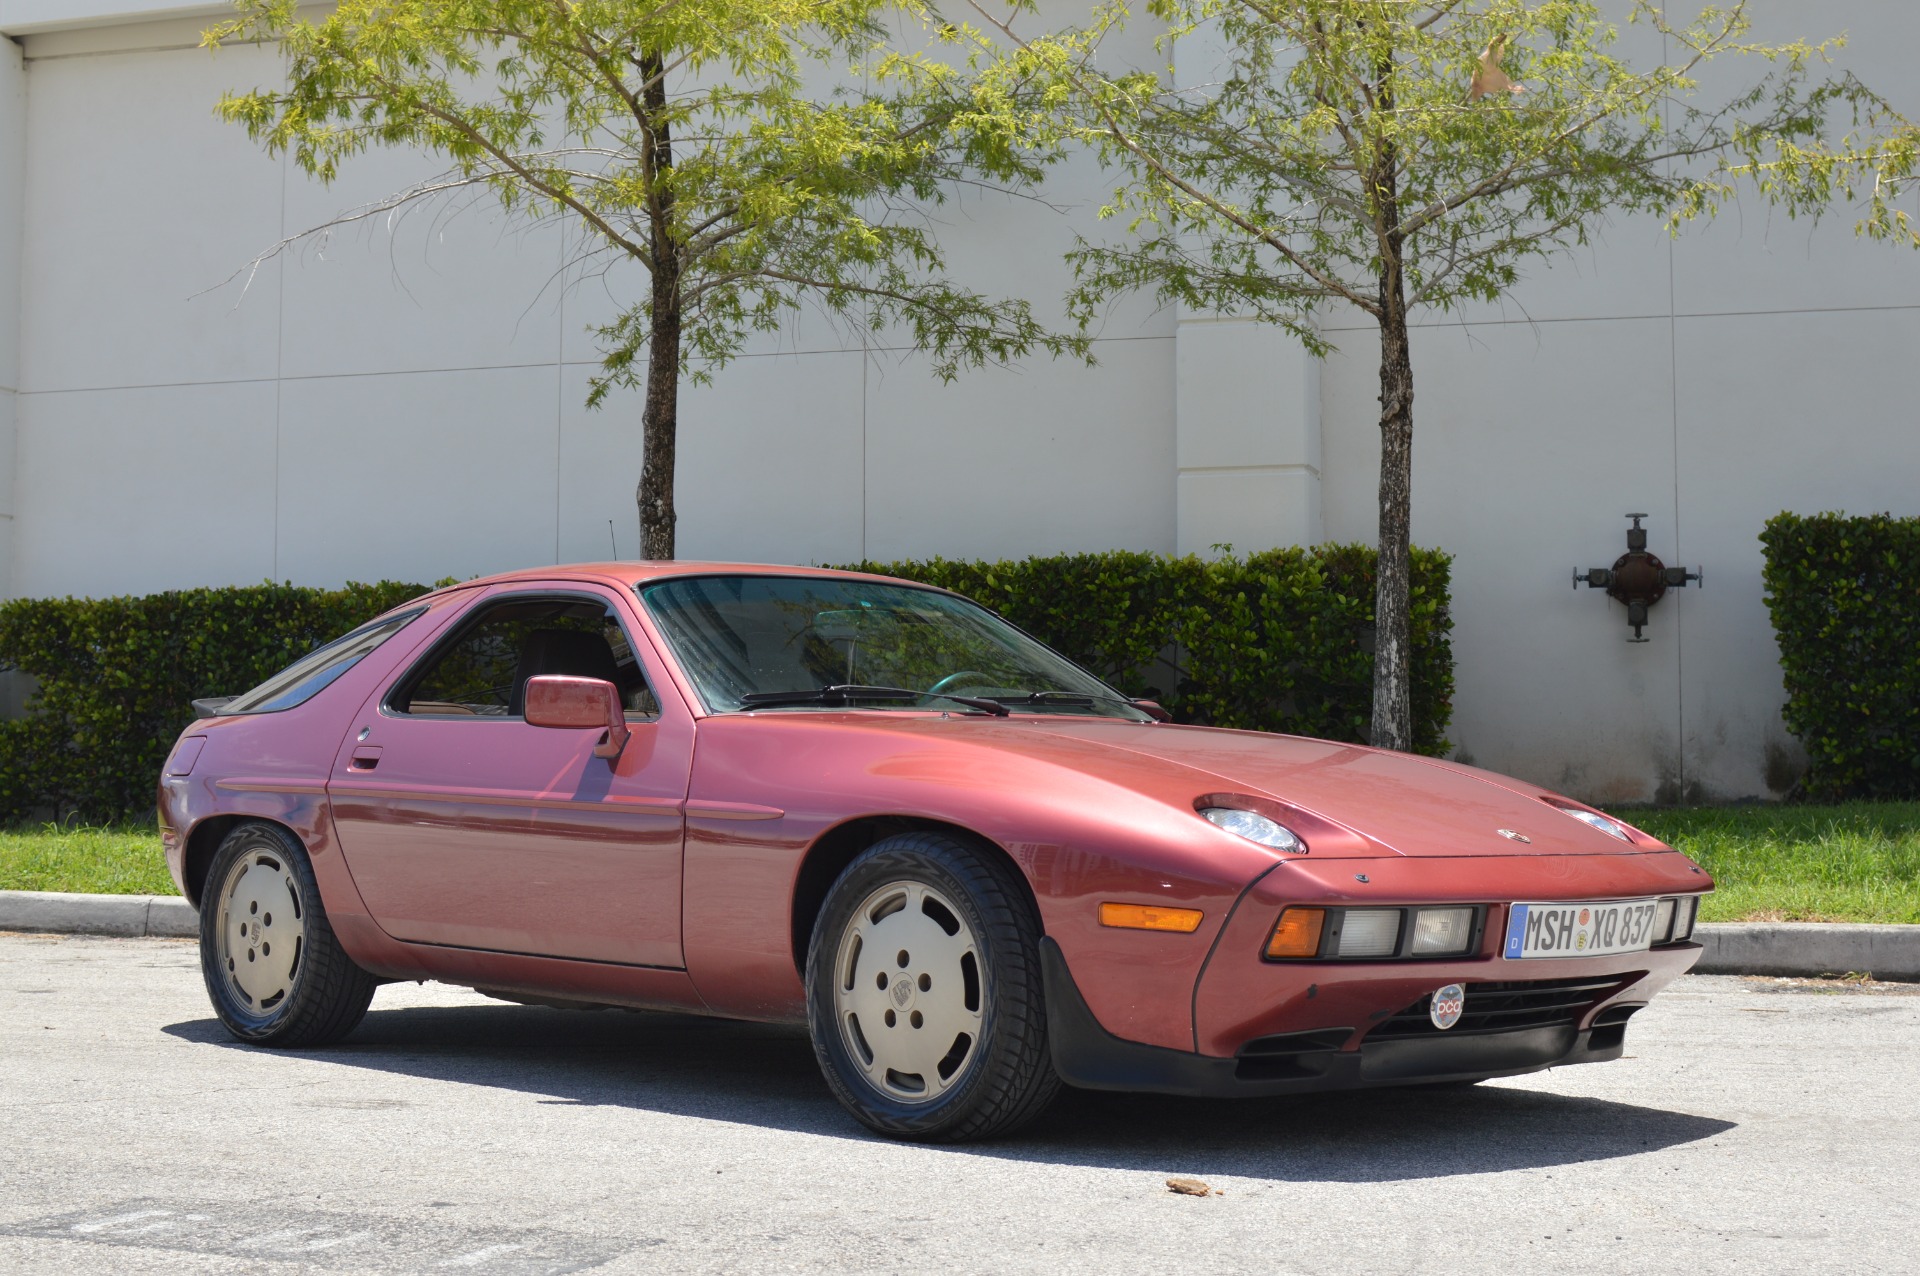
x=311, y=993
x=1005, y=1077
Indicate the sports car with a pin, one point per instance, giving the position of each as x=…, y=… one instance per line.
x=973, y=870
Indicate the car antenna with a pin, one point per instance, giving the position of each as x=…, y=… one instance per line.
x=613, y=542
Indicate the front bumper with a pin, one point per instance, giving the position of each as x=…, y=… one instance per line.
x=1577, y=1019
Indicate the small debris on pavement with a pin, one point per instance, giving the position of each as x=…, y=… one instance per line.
x=1188, y=1187
x=1853, y=981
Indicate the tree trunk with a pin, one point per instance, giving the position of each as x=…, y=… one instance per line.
x=660, y=417
x=660, y=413
x=1393, y=647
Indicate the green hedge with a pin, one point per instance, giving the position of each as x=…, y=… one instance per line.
x=1275, y=641
x=1278, y=641
x=117, y=676
x=1845, y=597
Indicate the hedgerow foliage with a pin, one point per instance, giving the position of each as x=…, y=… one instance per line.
x=1275, y=641
x=117, y=677
x=1845, y=597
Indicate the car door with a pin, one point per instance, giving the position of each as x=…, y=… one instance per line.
x=463, y=825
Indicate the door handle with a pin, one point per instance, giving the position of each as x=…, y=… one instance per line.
x=365, y=758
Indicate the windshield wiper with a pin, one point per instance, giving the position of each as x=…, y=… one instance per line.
x=1048, y=697
x=1087, y=698
x=846, y=693
x=1062, y=697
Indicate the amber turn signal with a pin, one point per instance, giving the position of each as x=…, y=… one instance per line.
x=1298, y=933
x=1151, y=917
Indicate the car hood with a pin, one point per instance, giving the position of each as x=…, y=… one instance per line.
x=1388, y=803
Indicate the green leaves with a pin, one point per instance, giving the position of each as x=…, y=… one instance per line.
x=1277, y=641
x=1302, y=146
x=116, y=677
x=692, y=137
x=1844, y=594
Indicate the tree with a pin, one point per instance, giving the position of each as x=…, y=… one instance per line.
x=1399, y=154
x=680, y=135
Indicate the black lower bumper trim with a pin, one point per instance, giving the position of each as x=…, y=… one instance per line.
x=1085, y=1054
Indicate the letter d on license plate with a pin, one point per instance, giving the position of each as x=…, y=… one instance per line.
x=1580, y=930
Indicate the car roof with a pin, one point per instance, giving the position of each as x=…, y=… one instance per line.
x=646, y=571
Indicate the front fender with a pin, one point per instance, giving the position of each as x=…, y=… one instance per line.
x=766, y=791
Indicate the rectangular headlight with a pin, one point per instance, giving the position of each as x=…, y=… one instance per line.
x=1442, y=931
x=1663, y=921
x=1369, y=932
x=1683, y=917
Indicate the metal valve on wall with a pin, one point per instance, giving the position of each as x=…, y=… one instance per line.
x=1637, y=578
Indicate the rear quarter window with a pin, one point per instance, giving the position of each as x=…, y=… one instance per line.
x=306, y=677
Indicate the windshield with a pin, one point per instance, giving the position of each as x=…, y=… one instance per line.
x=743, y=639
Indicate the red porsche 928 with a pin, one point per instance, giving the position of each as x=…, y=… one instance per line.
x=974, y=870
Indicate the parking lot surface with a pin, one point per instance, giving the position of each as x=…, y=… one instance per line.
x=1755, y=1126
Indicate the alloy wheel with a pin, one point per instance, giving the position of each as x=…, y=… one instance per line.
x=907, y=991
x=262, y=930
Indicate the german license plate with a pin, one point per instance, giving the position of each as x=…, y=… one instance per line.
x=1580, y=930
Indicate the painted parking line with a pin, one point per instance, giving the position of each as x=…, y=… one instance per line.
x=357, y=1242
x=301, y=1240
x=479, y=1256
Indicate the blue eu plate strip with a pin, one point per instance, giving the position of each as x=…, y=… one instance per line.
x=1516, y=929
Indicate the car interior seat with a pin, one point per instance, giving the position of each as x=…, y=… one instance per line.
x=562, y=651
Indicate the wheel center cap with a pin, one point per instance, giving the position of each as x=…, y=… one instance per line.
x=902, y=993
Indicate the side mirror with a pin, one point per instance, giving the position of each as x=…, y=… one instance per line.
x=558, y=700
x=1153, y=710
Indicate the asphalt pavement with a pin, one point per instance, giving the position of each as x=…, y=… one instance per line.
x=1756, y=1125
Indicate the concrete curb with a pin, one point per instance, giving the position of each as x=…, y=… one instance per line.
x=1732, y=948
x=1808, y=948
x=61, y=912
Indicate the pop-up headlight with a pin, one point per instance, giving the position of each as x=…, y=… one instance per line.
x=1255, y=828
x=1611, y=827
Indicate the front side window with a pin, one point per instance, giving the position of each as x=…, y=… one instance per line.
x=748, y=641
x=306, y=677
x=482, y=671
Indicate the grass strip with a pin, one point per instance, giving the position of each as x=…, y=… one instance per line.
x=124, y=860
x=1859, y=862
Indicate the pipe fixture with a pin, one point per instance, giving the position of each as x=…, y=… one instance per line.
x=1637, y=578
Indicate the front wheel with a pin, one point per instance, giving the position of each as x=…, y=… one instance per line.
x=924, y=992
x=275, y=973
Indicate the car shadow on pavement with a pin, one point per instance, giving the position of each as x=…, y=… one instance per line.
x=758, y=1074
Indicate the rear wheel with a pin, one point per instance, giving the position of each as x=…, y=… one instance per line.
x=924, y=992
x=274, y=971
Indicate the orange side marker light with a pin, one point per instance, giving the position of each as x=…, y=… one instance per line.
x=1297, y=934
x=1151, y=917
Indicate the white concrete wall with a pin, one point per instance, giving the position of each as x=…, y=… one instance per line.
x=13, y=156
x=1246, y=412
x=24, y=17
x=407, y=402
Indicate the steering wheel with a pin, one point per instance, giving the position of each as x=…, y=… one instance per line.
x=955, y=679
